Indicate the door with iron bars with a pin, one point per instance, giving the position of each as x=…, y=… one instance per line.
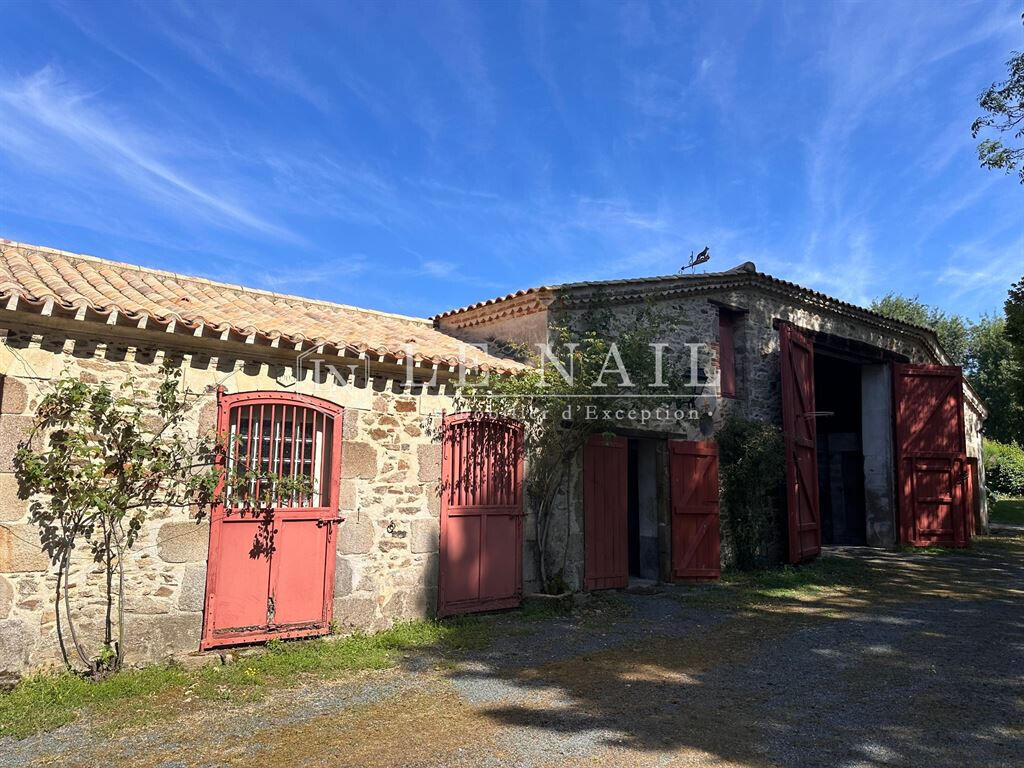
x=799, y=433
x=270, y=570
x=693, y=470
x=605, y=524
x=481, y=546
x=931, y=460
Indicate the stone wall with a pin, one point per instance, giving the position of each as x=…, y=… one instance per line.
x=758, y=385
x=386, y=548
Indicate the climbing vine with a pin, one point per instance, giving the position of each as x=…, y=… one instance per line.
x=751, y=456
x=97, y=462
x=561, y=412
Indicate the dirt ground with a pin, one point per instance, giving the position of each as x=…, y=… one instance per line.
x=922, y=664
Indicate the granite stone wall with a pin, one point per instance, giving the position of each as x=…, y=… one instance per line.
x=387, y=546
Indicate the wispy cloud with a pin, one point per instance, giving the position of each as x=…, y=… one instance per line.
x=57, y=125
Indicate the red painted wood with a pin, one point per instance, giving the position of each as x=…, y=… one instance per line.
x=971, y=494
x=605, y=533
x=270, y=573
x=799, y=431
x=693, y=470
x=481, y=543
x=727, y=352
x=931, y=460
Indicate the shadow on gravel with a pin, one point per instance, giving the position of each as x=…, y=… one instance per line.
x=907, y=659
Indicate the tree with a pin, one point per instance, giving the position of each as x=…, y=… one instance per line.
x=97, y=461
x=560, y=414
x=1014, y=308
x=1004, y=106
x=992, y=370
x=951, y=329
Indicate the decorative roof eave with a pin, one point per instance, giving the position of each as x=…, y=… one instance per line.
x=50, y=306
x=50, y=282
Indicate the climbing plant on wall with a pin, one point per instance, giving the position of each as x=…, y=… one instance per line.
x=751, y=455
x=98, y=461
x=575, y=389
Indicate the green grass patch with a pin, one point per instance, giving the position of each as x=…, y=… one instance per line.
x=785, y=583
x=1010, y=511
x=134, y=696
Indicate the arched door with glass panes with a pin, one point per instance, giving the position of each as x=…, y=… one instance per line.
x=270, y=568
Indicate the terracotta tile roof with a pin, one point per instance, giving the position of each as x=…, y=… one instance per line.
x=631, y=287
x=36, y=274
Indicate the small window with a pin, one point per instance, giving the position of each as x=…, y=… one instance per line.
x=727, y=351
x=284, y=435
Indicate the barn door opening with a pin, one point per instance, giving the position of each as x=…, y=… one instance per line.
x=270, y=570
x=605, y=505
x=931, y=461
x=798, y=415
x=481, y=565
x=693, y=468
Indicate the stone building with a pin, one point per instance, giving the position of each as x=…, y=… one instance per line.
x=357, y=400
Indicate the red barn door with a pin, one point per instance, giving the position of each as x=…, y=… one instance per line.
x=481, y=555
x=797, y=358
x=605, y=533
x=931, y=459
x=695, y=534
x=270, y=572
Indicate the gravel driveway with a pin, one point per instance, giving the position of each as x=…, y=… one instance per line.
x=920, y=665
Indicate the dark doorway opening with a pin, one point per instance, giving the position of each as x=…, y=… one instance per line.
x=837, y=387
x=642, y=509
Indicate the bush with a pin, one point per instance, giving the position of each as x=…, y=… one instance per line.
x=752, y=458
x=1004, y=467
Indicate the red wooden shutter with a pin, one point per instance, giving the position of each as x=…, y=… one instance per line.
x=931, y=460
x=605, y=467
x=481, y=566
x=797, y=364
x=695, y=514
x=270, y=572
x=727, y=352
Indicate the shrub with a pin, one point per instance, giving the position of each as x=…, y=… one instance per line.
x=752, y=459
x=1004, y=467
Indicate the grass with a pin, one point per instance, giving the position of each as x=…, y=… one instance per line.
x=1009, y=511
x=47, y=701
x=787, y=583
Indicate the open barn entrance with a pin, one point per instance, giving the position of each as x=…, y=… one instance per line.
x=837, y=388
x=642, y=509
x=854, y=444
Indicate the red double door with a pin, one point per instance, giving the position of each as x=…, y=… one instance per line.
x=270, y=571
x=935, y=484
x=693, y=470
x=481, y=545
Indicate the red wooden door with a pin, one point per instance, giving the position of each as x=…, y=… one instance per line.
x=605, y=532
x=481, y=553
x=931, y=461
x=797, y=359
x=270, y=572
x=693, y=468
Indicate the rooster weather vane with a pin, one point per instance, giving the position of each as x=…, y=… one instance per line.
x=700, y=258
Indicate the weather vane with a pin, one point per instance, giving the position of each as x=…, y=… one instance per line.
x=700, y=258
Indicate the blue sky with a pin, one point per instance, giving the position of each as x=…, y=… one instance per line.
x=414, y=157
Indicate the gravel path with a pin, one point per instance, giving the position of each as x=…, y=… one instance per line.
x=922, y=665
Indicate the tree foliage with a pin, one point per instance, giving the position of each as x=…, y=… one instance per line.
x=97, y=462
x=752, y=464
x=1014, y=309
x=951, y=329
x=994, y=372
x=1004, y=114
x=560, y=414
